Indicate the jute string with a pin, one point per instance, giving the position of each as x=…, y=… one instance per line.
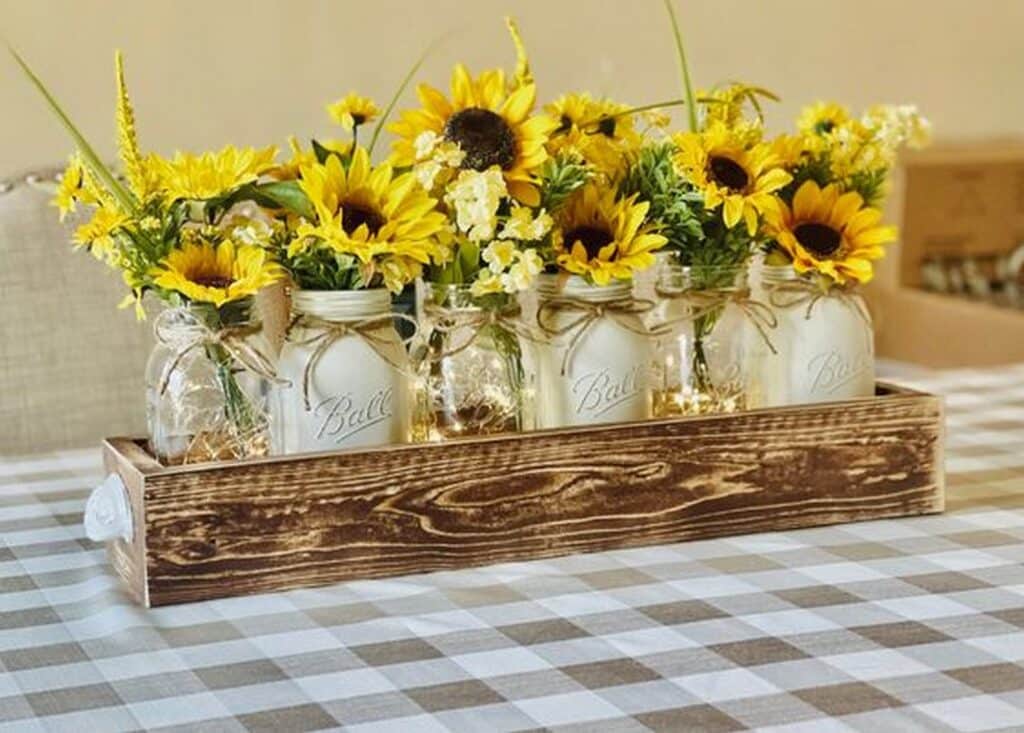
x=326, y=333
x=622, y=312
x=705, y=302
x=181, y=331
x=449, y=321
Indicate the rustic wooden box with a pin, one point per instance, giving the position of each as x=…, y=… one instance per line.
x=226, y=529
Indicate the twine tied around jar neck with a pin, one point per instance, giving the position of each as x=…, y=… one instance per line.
x=704, y=302
x=329, y=333
x=448, y=321
x=794, y=293
x=182, y=331
x=589, y=313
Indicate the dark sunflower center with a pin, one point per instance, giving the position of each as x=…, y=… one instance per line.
x=484, y=137
x=358, y=119
x=593, y=239
x=564, y=124
x=728, y=173
x=606, y=126
x=824, y=127
x=820, y=239
x=353, y=216
x=213, y=281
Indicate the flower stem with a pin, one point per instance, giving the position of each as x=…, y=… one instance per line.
x=684, y=68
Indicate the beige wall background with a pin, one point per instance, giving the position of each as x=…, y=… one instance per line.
x=206, y=72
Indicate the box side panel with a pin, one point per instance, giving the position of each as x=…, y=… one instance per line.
x=129, y=558
x=240, y=529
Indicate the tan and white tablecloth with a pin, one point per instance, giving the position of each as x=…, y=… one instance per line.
x=900, y=625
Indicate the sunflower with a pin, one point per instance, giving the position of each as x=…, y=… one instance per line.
x=207, y=273
x=601, y=238
x=596, y=129
x=822, y=118
x=196, y=177
x=830, y=232
x=353, y=110
x=369, y=213
x=738, y=178
x=289, y=169
x=492, y=126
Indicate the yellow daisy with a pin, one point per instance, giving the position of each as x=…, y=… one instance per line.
x=97, y=235
x=492, y=126
x=738, y=178
x=830, y=232
x=217, y=274
x=602, y=238
x=196, y=177
x=369, y=213
x=353, y=110
x=595, y=129
x=822, y=118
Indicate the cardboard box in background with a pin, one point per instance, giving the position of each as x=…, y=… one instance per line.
x=953, y=200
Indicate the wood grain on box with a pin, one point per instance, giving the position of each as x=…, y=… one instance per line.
x=229, y=529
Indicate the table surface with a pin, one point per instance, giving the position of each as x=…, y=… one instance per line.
x=898, y=625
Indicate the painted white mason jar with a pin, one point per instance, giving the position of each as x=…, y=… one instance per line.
x=824, y=343
x=348, y=372
x=595, y=356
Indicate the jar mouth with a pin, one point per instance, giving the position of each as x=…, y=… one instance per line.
x=241, y=312
x=341, y=305
x=574, y=286
x=460, y=296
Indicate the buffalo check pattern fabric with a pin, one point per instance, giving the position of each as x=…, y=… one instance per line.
x=900, y=625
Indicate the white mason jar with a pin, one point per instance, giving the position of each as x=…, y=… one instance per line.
x=348, y=372
x=824, y=343
x=595, y=355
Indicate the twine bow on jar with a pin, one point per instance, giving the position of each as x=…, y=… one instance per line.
x=327, y=333
x=587, y=314
x=794, y=293
x=707, y=301
x=182, y=331
x=448, y=321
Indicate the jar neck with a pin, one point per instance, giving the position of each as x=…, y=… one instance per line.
x=241, y=312
x=557, y=286
x=673, y=276
x=341, y=305
x=462, y=297
x=773, y=274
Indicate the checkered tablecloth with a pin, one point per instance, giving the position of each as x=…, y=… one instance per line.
x=900, y=625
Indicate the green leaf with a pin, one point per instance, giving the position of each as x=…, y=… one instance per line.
x=323, y=153
x=287, y=195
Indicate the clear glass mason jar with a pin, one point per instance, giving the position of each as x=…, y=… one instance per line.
x=208, y=383
x=700, y=363
x=472, y=366
x=824, y=342
x=594, y=358
x=347, y=370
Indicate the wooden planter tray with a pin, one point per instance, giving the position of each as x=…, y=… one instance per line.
x=226, y=529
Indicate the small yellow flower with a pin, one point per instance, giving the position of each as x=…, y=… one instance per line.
x=523, y=272
x=522, y=225
x=499, y=255
x=217, y=274
x=595, y=129
x=822, y=118
x=70, y=188
x=98, y=233
x=486, y=283
x=353, y=110
x=475, y=196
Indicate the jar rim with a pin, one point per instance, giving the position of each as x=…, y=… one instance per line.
x=341, y=304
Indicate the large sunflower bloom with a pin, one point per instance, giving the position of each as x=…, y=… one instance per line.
x=368, y=212
x=738, y=178
x=830, y=232
x=492, y=127
x=196, y=177
x=602, y=238
x=217, y=274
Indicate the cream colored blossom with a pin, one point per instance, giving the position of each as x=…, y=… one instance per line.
x=475, y=196
x=486, y=283
x=499, y=255
x=525, y=270
x=522, y=225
